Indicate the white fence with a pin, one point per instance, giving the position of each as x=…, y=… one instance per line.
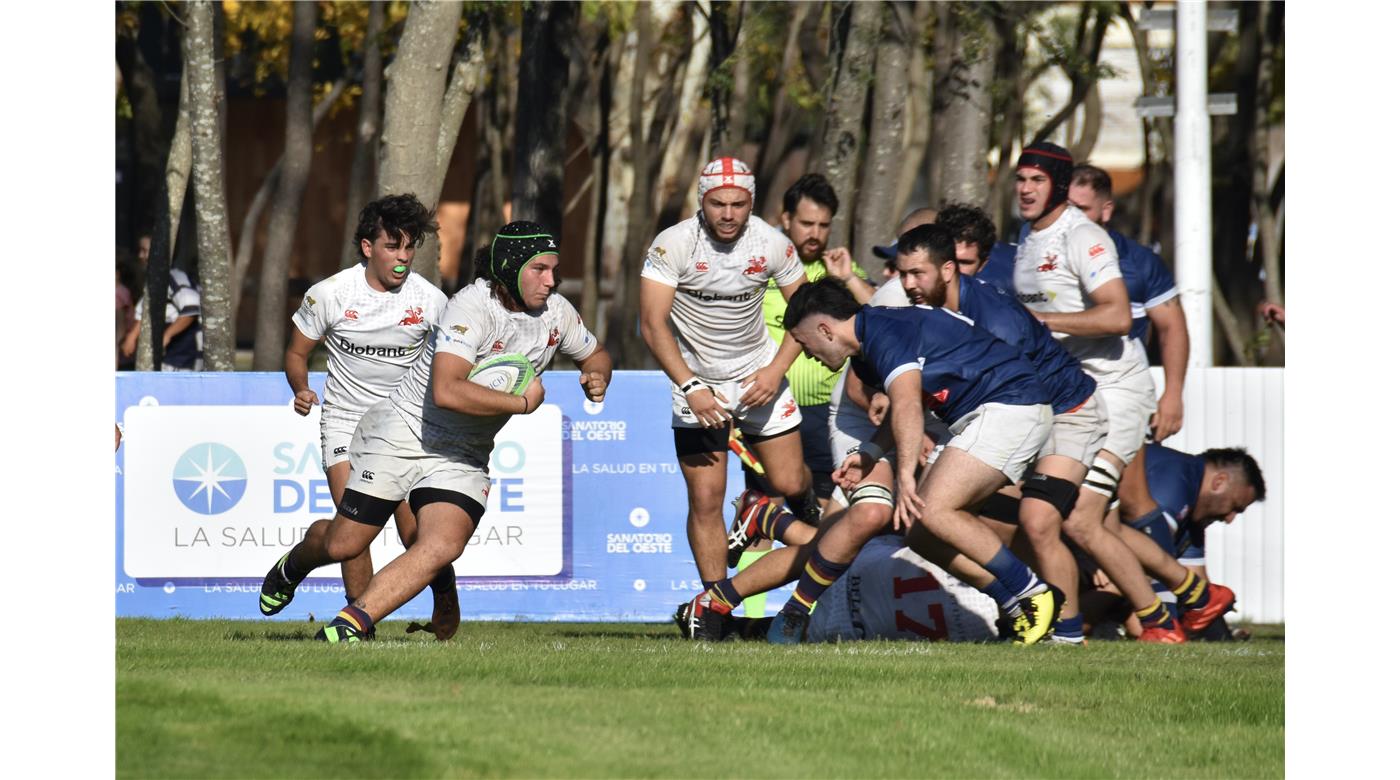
x=1242, y=407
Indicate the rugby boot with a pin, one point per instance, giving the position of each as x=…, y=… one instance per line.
x=788, y=628
x=277, y=590
x=447, y=612
x=749, y=509
x=338, y=632
x=1037, y=615
x=1170, y=634
x=1221, y=600
x=697, y=620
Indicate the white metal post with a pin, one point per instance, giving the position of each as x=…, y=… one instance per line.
x=1192, y=167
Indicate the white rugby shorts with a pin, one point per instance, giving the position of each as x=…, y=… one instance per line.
x=1078, y=434
x=777, y=416
x=1131, y=404
x=1003, y=436
x=387, y=461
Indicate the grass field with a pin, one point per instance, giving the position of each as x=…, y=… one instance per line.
x=246, y=699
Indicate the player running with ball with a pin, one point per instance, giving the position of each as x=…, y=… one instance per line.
x=431, y=440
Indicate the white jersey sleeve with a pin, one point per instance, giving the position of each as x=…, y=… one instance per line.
x=573, y=337
x=1092, y=256
x=312, y=317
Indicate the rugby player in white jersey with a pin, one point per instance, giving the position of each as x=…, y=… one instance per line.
x=702, y=318
x=374, y=319
x=430, y=441
x=1067, y=274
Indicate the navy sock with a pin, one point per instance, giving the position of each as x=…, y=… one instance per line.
x=1072, y=627
x=1014, y=575
x=806, y=507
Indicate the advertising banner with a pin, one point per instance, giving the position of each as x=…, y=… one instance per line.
x=217, y=477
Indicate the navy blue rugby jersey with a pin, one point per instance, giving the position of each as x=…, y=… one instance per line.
x=992, y=308
x=1148, y=281
x=961, y=365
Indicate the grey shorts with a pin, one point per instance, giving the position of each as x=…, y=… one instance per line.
x=1130, y=404
x=1079, y=433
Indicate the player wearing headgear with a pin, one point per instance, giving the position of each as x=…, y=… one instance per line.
x=1169, y=498
x=1067, y=274
x=1152, y=295
x=701, y=316
x=930, y=360
x=374, y=319
x=431, y=440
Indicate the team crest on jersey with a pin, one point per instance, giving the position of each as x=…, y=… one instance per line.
x=1096, y=250
x=702, y=266
x=788, y=409
x=660, y=251
x=415, y=316
x=1049, y=264
x=939, y=398
x=757, y=265
x=309, y=303
x=461, y=329
x=351, y=314
x=499, y=346
x=553, y=337
x=790, y=250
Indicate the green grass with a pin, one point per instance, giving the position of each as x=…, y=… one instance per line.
x=247, y=699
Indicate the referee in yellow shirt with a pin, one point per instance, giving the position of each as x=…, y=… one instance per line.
x=808, y=206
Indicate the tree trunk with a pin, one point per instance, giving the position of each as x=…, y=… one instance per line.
x=1264, y=177
x=211, y=208
x=774, y=147
x=537, y=170
x=366, y=132
x=247, y=232
x=623, y=330
x=468, y=73
x=726, y=18
x=876, y=216
x=962, y=109
x=413, y=106
x=166, y=229
x=271, y=340
x=680, y=157
x=916, y=112
x=845, y=116
x=1088, y=46
x=1012, y=79
x=732, y=139
x=140, y=85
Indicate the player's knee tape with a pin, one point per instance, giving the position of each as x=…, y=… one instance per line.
x=873, y=493
x=1002, y=508
x=1059, y=493
x=1103, y=479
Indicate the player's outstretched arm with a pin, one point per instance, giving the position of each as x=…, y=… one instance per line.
x=595, y=374
x=1109, y=316
x=1169, y=320
x=453, y=391
x=294, y=364
x=905, y=420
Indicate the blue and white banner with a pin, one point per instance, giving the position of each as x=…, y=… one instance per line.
x=217, y=476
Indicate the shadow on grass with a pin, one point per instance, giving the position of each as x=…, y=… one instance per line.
x=309, y=636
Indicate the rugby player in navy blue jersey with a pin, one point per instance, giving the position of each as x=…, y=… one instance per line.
x=1169, y=498
x=929, y=269
x=1152, y=295
x=928, y=360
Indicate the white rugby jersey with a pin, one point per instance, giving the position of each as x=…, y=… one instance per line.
x=372, y=337
x=850, y=417
x=475, y=326
x=717, y=316
x=891, y=593
x=1056, y=270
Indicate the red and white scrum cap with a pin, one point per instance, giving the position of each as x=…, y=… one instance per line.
x=726, y=172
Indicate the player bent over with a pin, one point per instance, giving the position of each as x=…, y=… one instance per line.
x=998, y=413
x=374, y=319
x=431, y=440
x=1169, y=499
x=702, y=293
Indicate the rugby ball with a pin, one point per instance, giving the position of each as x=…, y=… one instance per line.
x=509, y=373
